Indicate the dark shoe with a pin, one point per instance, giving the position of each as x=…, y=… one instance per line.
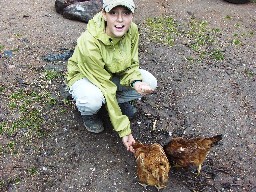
x=92, y=123
x=128, y=109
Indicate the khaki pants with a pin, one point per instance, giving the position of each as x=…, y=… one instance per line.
x=89, y=97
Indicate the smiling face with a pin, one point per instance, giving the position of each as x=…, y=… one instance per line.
x=118, y=21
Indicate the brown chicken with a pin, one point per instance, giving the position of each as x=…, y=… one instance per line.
x=190, y=152
x=152, y=165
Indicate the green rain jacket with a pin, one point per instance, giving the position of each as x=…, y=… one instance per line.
x=98, y=57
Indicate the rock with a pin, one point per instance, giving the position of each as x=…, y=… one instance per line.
x=64, y=56
x=60, y=5
x=237, y=1
x=81, y=10
x=8, y=53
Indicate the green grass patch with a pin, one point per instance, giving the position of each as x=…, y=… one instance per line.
x=237, y=25
x=217, y=55
x=11, y=145
x=51, y=74
x=249, y=73
x=32, y=171
x=2, y=89
x=29, y=107
x=6, y=183
x=32, y=112
x=228, y=17
x=18, y=35
x=162, y=29
x=236, y=42
x=1, y=47
x=195, y=34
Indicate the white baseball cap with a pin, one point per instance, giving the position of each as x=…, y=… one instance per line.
x=110, y=4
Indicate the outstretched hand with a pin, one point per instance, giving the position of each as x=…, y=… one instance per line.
x=142, y=88
x=128, y=140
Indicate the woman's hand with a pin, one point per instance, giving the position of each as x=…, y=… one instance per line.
x=142, y=88
x=128, y=140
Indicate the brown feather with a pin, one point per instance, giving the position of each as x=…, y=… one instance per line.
x=184, y=152
x=152, y=165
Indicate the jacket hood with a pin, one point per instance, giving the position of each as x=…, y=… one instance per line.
x=96, y=27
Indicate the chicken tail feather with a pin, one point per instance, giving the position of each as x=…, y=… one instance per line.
x=216, y=139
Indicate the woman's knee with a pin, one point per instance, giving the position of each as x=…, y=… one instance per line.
x=88, y=97
x=149, y=78
x=88, y=106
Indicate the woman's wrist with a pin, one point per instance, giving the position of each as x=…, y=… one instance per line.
x=133, y=82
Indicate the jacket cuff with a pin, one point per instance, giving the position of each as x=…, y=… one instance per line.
x=124, y=132
x=132, y=83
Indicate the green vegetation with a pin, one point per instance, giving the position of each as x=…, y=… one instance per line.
x=32, y=113
x=249, y=73
x=217, y=55
x=23, y=103
x=195, y=34
x=17, y=35
x=1, y=88
x=204, y=40
x=32, y=170
x=228, y=17
x=51, y=74
x=237, y=25
x=162, y=25
x=236, y=42
x=1, y=47
x=29, y=109
x=9, y=181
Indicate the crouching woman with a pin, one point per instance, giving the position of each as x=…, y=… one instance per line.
x=104, y=69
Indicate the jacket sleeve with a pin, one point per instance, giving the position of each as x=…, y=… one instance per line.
x=90, y=62
x=132, y=73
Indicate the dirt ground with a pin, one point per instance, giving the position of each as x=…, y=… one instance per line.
x=195, y=97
